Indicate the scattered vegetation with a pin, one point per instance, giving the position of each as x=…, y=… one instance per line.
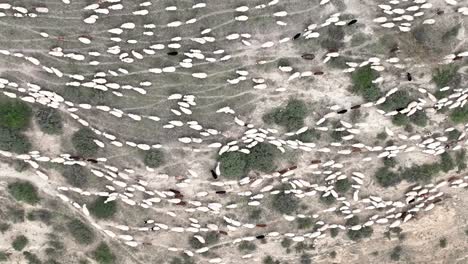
x=446, y=76
x=270, y=260
x=362, y=83
x=83, y=143
x=364, y=232
x=387, y=178
x=305, y=259
x=80, y=232
x=246, y=246
x=103, y=210
x=304, y=223
x=24, y=191
x=342, y=186
x=154, y=158
x=19, y=243
x=42, y=215
x=446, y=162
x=4, y=256
x=291, y=116
x=76, y=175
x=103, y=255
x=32, y=258
x=210, y=238
x=443, y=242
x=396, y=253
x=459, y=115
x=49, y=120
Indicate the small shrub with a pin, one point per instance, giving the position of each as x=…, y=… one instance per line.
x=446, y=162
x=286, y=242
x=246, y=246
x=459, y=115
x=396, y=252
x=270, y=260
x=42, y=215
x=334, y=232
x=422, y=173
x=305, y=259
x=460, y=158
x=443, y=242
x=4, y=256
x=4, y=227
x=154, y=158
x=364, y=232
x=80, y=232
x=389, y=162
x=49, y=120
x=103, y=255
x=103, y=210
x=210, y=238
x=83, y=143
x=304, y=223
x=24, y=191
x=32, y=258
x=328, y=200
x=19, y=243
x=76, y=175
x=446, y=76
x=453, y=135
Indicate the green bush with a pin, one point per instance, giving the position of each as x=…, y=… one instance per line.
x=342, y=186
x=19, y=243
x=103, y=210
x=42, y=215
x=4, y=227
x=154, y=158
x=362, y=83
x=443, y=242
x=284, y=203
x=83, y=143
x=13, y=140
x=419, y=118
x=14, y=114
x=32, y=258
x=399, y=99
x=334, y=232
x=210, y=237
x=460, y=158
x=291, y=116
x=387, y=178
x=24, y=191
x=76, y=175
x=460, y=115
x=246, y=246
x=453, y=135
x=103, y=255
x=423, y=173
x=80, y=232
x=389, y=162
x=304, y=223
x=4, y=256
x=270, y=260
x=305, y=259
x=328, y=200
x=395, y=254
x=262, y=157
x=364, y=232
x=400, y=120
x=446, y=76
x=233, y=164
x=446, y=162
x=286, y=242
x=49, y=120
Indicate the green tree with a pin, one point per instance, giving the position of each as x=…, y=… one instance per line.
x=14, y=114
x=83, y=143
x=233, y=164
x=24, y=191
x=80, y=232
x=103, y=210
x=262, y=157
